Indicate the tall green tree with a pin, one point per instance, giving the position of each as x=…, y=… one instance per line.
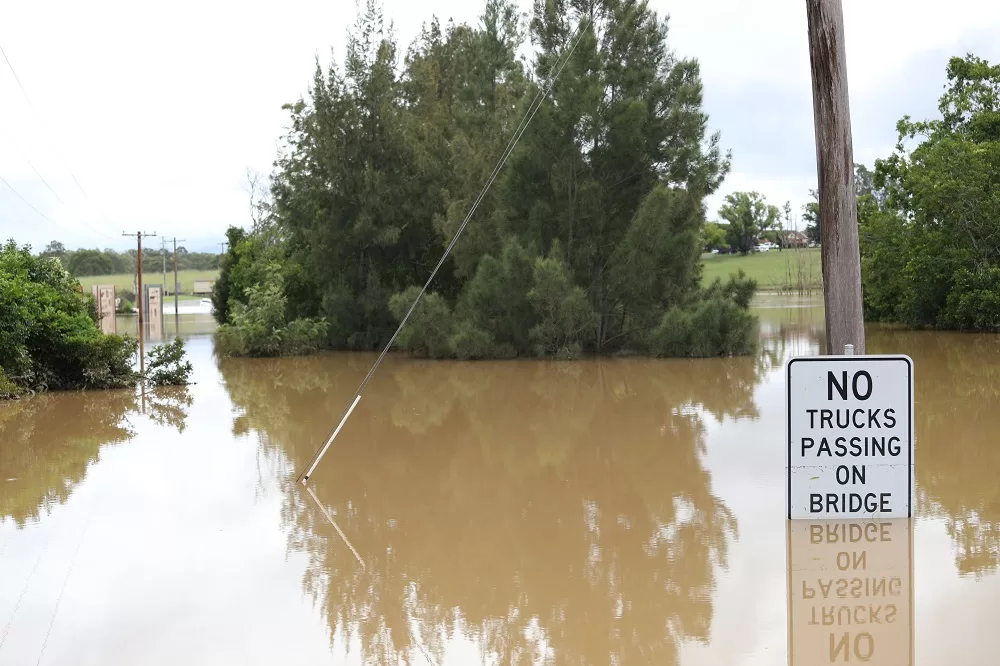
x=463, y=88
x=602, y=199
x=937, y=209
x=749, y=215
x=348, y=195
x=221, y=290
x=625, y=118
x=714, y=236
x=53, y=249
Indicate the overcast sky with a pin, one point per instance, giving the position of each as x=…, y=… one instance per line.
x=159, y=109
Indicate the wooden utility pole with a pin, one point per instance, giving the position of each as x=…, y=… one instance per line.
x=138, y=297
x=175, y=241
x=838, y=206
x=163, y=253
x=223, y=244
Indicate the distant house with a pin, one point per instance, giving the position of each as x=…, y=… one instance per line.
x=794, y=239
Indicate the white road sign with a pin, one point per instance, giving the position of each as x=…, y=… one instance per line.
x=850, y=437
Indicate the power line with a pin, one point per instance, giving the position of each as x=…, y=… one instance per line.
x=19, y=84
x=529, y=114
x=29, y=205
x=45, y=182
x=41, y=122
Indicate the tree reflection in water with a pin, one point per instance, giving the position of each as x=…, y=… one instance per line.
x=556, y=509
x=957, y=393
x=49, y=441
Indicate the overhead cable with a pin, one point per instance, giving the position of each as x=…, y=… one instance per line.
x=532, y=109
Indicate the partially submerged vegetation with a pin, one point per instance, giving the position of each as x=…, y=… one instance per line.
x=167, y=366
x=49, y=338
x=588, y=242
x=930, y=215
x=260, y=327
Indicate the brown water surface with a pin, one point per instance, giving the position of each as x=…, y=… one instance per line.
x=615, y=511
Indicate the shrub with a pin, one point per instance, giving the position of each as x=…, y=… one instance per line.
x=974, y=300
x=49, y=337
x=740, y=289
x=429, y=328
x=8, y=389
x=304, y=336
x=563, y=310
x=674, y=335
x=469, y=342
x=494, y=299
x=166, y=365
x=107, y=362
x=712, y=327
x=260, y=327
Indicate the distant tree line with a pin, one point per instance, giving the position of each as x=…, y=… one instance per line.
x=588, y=241
x=90, y=262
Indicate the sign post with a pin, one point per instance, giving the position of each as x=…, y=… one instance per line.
x=850, y=437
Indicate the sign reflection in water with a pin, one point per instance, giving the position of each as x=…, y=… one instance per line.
x=850, y=592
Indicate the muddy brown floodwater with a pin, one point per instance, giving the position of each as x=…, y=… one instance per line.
x=626, y=511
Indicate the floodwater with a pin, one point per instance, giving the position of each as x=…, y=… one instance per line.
x=625, y=511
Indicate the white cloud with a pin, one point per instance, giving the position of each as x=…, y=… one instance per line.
x=159, y=109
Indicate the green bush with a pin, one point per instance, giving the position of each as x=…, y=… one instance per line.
x=714, y=321
x=714, y=326
x=49, y=337
x=106, y=362
x=563, y=311
x=974, y=300
x=469, y=342
x=304, y=336
x=429, y=328
x=8, y=389
x=494, y=300
x=127, y=297
x=740, y=289
x=166, y=365
x=260, y=327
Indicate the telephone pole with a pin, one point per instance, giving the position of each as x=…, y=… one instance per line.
x=163, y=253
x=223, y=244
x=175, y=241
x=838, y=206
x=138, y=296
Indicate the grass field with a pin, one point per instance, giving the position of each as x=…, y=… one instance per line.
x=790, y=270
x=124, y=281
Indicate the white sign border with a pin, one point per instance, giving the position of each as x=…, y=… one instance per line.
x=788, y=422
